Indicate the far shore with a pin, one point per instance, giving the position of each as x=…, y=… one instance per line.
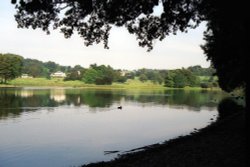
x=59, y=83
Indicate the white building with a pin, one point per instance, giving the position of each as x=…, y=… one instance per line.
x=124, y=72
x=58, y=74
x=26, y=76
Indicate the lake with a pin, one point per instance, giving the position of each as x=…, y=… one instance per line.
x=62, y=127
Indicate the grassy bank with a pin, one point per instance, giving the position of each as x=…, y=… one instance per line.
x=222, y=144
x=57, y=82
x=45, y=82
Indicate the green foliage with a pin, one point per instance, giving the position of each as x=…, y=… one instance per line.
x=130, y=75
x=51, y=66
x=90, y=76
x=72, y=76
x=75, y=73
x=10, y=67
x=36, y=68
x=119, y=78
x=208, y=81
x=199, y=71
x=143, y=77
x=156, y=76
x=205, y=85
x=168, y=82
x=180, y=78
x=106, y=75
x=180, y=81
x=100, y=75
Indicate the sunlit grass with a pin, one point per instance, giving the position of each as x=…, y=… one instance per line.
x=44, y=82
x=59, y=82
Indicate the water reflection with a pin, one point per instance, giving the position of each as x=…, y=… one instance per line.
x=69, y=127
x=26, y=93
x=14, y=101
x=58, y=95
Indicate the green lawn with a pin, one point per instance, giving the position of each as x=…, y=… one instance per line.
x=58, y=82
x=44, y=82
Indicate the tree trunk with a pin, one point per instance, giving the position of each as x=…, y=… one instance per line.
x=247, y=98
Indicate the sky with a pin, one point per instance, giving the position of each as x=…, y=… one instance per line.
x=175, y=51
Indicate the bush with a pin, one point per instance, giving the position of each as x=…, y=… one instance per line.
x=227, y=107
x=206, y=85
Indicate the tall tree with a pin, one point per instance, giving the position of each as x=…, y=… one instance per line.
x=100, y=75
x=51, y=66
x=169, y=82
x=10, y=67
x=34, y=68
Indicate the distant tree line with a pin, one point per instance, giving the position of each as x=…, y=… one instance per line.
x=12, y=66
x=192, y=76
x=199, y=71
x=36, y=68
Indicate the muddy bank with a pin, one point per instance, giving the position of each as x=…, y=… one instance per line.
x=222, y=144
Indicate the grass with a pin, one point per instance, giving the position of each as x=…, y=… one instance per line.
x=135, y=83
x=45, y=82
x=59, y=82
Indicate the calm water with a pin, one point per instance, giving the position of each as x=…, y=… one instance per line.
x=67, y=127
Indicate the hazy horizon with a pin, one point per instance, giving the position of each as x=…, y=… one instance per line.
x=175, y=51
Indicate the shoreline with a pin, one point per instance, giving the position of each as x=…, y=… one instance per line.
x=121, y=87
x=59, y=82
x=220, y=144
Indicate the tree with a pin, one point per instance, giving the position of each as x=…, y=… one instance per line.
x=119, y=77
x=199, y=71
x=75, y=73
x=143, y=78
x=226, y=35
x=10, y=67
x=180, y=78
x=180, y=81
x=38, y=68
x=191, y=79
x=100, y=75
x=90, y=76
x=34, y=68
x=106, y=75
x=168, y=82
x=51, y=66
